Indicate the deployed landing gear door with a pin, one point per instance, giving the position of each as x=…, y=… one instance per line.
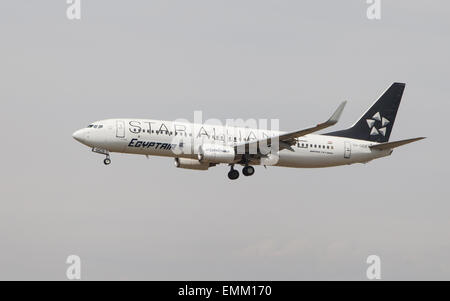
x=347, y=150
x=120, y=129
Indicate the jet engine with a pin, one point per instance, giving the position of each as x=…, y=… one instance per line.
x=191, y=164
x=216, y=153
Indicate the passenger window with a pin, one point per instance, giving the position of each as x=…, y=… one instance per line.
x=100, y=126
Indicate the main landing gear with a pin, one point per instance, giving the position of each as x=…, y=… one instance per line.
x=107, y=160
x=233, y=174
x=247, y=171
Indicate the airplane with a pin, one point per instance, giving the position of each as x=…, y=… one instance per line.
x=202, y=146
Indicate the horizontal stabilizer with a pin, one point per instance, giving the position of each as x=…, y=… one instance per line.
x=390, y=145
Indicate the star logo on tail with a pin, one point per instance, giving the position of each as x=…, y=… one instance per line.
x=377, y=119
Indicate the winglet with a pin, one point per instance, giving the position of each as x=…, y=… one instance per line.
x=337, y=114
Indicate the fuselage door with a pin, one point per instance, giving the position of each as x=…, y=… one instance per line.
x=120, y=129
x=347, y=150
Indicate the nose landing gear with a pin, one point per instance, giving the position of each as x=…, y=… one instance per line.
x=107, y=160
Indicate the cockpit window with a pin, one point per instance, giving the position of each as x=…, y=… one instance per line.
x=95, y=126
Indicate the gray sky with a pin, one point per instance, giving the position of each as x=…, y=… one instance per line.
x=145, y=219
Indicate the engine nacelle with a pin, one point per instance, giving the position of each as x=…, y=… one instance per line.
x=191, y=164
x=216, y=153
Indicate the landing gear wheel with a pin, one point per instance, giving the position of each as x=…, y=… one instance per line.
x=233, y=174
x=248, y=171
x=107, y=161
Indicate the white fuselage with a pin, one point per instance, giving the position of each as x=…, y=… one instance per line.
x=181, y=140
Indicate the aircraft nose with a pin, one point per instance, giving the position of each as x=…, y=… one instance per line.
x=78, y=135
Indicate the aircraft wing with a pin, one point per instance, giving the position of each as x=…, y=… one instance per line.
x=285, y=141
